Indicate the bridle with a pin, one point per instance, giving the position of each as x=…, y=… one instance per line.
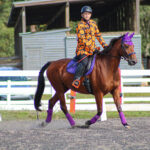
x=125, y=55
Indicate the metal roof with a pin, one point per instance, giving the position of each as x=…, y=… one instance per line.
x=45, y=2
x=45, y=32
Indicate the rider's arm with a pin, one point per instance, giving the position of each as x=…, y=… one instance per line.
x=81, y=37
x=99, y=37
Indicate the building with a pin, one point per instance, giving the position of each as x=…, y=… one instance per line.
x=114, y=16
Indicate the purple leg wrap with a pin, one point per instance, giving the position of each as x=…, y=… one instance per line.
x=49, y=115
x=94, y=119
x=122, y=117
x=70, y=119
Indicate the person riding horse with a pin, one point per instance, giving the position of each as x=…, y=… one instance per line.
x=104, y=78
x=86, y=31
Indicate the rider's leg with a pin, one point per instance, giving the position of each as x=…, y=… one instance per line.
x=80, y=71
x=78, y=74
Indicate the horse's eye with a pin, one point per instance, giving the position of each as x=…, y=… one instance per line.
x=126, y=46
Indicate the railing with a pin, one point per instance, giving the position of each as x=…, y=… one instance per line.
x=136, y=77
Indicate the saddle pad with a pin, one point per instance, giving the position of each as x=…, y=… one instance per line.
x=72, y=66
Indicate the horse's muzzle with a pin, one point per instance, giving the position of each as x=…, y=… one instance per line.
x=132, y=62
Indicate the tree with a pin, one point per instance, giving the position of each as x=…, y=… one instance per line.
x=145, y=29
x=6, y=34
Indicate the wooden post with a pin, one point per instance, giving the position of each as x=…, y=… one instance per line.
x=120, y=87
x=67, y=15
x=9, y=92
x=72, y=101
x=103, y=115
x=136, y=15
x=24, y=19
x=126, y=15
x=122, y=16
x=0, y=117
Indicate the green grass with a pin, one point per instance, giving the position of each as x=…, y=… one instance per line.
x=88, y=96
x=138, y=102
x=132, y=102
x=136, y=94
x=31, y=115
x=84, y=96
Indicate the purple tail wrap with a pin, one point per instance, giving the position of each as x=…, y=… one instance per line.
x=70, y=119
x=122, y=117
x=94, y=119
x=49, y=115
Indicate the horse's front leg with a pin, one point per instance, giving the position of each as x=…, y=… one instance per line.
x=99, y=98
x=116, y=95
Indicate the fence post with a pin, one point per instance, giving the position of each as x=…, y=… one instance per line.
x=9, y=92
x=72, y=101
x=120, y=87
x=103, y=115
x=0, y=117
x=53, y=91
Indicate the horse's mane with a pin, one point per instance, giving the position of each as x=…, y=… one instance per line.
x=111, y=44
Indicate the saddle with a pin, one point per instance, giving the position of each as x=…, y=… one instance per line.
x=72, y=66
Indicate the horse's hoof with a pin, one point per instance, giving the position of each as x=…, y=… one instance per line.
x=86, y=126
x=74, y=126
x=127, y=126
x=88, y=123
x=44, y=124
x=83, y=126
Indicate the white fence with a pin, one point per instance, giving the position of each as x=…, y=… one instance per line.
x=128, y=76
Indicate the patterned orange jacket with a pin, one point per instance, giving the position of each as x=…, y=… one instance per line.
x=86, y=33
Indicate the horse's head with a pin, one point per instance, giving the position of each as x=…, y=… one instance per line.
x=127, y=46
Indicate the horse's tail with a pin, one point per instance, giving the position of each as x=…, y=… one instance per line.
x=40, y=87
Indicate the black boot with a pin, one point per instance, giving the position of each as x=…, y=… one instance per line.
x=78, y=74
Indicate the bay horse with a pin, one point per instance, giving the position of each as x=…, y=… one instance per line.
x=104, y=79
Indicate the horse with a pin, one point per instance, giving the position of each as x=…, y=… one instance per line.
x=104, y=79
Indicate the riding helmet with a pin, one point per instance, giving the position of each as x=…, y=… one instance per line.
x=86, y=9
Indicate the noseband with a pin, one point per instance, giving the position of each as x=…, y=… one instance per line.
x=125, y=55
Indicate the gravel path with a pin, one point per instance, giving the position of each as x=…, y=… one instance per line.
x=107, y=135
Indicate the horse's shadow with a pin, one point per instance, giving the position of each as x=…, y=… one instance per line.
x=80, y=126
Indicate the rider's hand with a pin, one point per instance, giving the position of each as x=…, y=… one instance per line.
x=98, y=48
x=96, y=52
x=105, y=47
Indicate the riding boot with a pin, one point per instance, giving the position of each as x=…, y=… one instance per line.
x=78, y=74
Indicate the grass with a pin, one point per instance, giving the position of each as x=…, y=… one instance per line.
x=85, y=96
x=31, y=115
x=138, y=102
x=132, y=102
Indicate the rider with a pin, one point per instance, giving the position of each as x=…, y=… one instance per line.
x=86, y=31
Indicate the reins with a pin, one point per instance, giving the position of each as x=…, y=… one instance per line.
x=125, y=55
x=119, y=57
x=78, y=62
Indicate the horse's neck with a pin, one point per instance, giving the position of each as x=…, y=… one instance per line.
x=113, y=59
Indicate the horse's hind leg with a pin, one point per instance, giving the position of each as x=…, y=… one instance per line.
x=64, y=109
x=52, y=102
x=116, y=96
x=98, y=97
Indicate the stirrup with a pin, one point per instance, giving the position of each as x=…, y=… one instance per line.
x=76, y=83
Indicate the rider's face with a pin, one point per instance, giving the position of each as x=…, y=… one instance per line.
x=86, y=16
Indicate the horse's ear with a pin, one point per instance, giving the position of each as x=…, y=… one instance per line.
x=126, y=35
x=131, y=36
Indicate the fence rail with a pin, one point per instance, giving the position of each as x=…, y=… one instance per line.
x=127, y=76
